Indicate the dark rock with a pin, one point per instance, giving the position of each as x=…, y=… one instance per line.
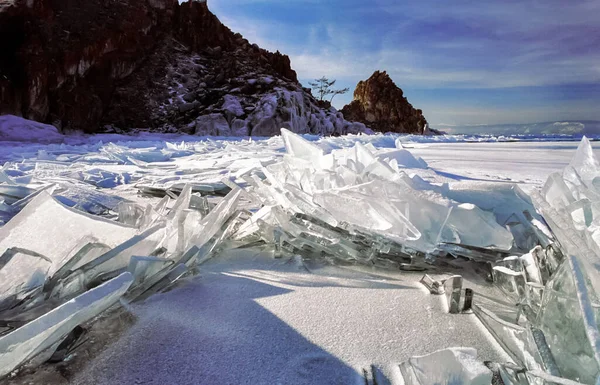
x=381, y=105
x=89, y=63
x=185, y=107
x=189, y=97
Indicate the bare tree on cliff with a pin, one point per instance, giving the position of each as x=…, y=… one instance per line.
x=323, y=88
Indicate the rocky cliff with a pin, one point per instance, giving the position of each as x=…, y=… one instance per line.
x=96, y=65
x=382, y=106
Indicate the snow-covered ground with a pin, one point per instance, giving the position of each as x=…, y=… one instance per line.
x=519, y=162
x=249, y=318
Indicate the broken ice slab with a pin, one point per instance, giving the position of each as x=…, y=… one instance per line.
x=27, y=341
x=299, y=147
x=583, y=169
x=212, y=222
x=475, y=253
x=87, y=250
x=90, y=250
x=513, y=263
x=161, y=278
x=511, y=374
x=511, y=282
x=12, y=193
x=453, y=290
x=534, y=293
x=543, y=378
x=199, y=203
x=278, y=243
x=446, y=367
x=552, y=259
x=468, y=302
x=143, y=267
x=556, y=192
x=516, y=340
x=22, y=272
x=217, y=189
x=568, y=324
x=434, y=287
x=117, y=259
x=48, y=228
x=167, y=280
x=135, y=215
x=478, y=228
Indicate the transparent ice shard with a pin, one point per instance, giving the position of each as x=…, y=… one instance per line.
x=564, y=324
x=212, y=222
x=352, y=208
x=534, y=293
x=251, y=225
x=164, y=276
x=513, y=263
x=512, y=374
x=300, y=147
x=182, y=202
x=434, y=287
x=556, y=192
x=29, y=340
x=479, y=228
x=22, y=272
x=448, y=366
x=516, y=340
x=135, y=215
x=453, y=290
x=530, y=263
x=511, y=282
x=12, y=193
x=143, y=267
x=584, y=166
x=172, y=276
x=199, y=203
x=117, y=259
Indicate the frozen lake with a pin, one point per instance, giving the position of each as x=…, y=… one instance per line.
x=250, y=319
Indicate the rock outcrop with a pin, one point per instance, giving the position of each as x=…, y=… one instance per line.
x=93, y=65
x=382, y=106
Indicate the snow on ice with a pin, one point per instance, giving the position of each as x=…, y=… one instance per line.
x=86, y=224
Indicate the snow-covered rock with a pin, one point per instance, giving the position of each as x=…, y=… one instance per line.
x=298, y=112
x=14, y=128
x=213, y=124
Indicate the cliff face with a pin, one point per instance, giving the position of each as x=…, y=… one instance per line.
x=382, y=106
x=69, y=54
x=120, y=64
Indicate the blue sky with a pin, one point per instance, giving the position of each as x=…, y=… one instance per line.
x=461, y=62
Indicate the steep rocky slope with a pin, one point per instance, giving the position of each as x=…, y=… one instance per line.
x=381, y=105
x=94, y=65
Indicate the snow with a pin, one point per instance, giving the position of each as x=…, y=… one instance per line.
x=14, y=128
x=249, y=319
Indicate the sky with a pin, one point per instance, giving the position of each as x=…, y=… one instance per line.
x=461, y=62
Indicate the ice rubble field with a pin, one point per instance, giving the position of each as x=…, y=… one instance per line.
x=301, y=258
